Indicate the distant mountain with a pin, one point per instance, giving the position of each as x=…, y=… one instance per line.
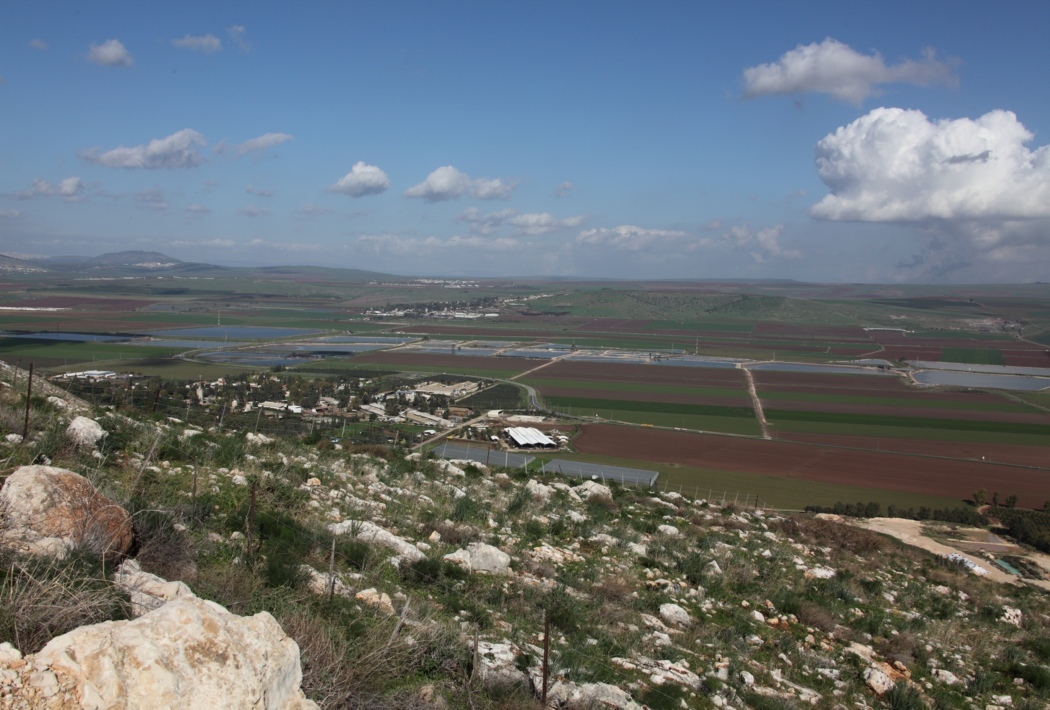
x=13, y=264
x=154, y=263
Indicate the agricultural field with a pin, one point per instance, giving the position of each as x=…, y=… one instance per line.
x=832, y=436
x=921, y=475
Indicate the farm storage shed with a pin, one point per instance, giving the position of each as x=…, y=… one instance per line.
x=528, y=436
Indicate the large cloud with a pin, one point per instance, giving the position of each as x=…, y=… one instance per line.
x=896, y=165
x=253, y=145
x=208, y=44
x=832, y=67
x=110, y=53
x=448, y=183
x=363, y=179
x=179, y=150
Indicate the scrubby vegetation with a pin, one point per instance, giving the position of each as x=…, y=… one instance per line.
x=678, y=602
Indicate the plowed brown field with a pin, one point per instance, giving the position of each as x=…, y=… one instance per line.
x=891, y=471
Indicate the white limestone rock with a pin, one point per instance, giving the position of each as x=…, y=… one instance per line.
x=479, y=557
x=879, y=682
x=674, y=614
x=592, y=489
x=189, y=653
x=147, y=591
x=372, y=533
x=539, y=492
x=85, y=432
x=48, y=510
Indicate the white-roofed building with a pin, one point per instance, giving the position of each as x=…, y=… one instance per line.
x=528, y=437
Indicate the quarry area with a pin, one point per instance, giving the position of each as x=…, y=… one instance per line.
x=150, y=562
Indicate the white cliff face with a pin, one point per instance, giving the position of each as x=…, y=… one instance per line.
x=189, y=653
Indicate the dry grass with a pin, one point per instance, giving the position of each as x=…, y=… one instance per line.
x=41, y=598
x=342, y=673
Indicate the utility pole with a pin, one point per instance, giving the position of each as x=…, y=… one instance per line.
x=546, y=652
x=29, y=393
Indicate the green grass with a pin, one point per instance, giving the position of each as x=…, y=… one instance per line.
x=729, y=420
x=903, y=401
x=973, y=356
x=898, y=432
x=585, y=405
x=541, y=383
x=26, y=349
x=789, y=415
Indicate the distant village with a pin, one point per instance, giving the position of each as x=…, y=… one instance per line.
x=428, y=404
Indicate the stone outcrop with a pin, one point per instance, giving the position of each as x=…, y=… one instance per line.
x=479, y=557
x=48, y=510
x=189, y=653
x=370, y=532
x=147, y=591
x=85, y=432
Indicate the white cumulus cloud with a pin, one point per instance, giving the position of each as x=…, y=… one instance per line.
x=10, y=214
x=832, y=67
x=38, y=44
x=208, y=44
x=179, y=150
x=448, y=183
x=564, y=190
x=253, y=145
x=363, y=179
x=197, y=210
x=896, y=165
x=111, y=53
x=445, y=183
x=71, y=189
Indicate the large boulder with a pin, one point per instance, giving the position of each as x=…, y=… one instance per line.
x=189, y=653
x=85, y=432
x=49, y=510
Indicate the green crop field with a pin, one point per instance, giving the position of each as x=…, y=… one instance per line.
x=666, y=407
x=972, y=356
x=902, y=432
x=969, y=425
x=541, y=383
x=784, y=398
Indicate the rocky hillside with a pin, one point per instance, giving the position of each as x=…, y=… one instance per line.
x=386, y=580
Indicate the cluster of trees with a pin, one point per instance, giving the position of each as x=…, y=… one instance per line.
x=873, y=509
x=1032, y=527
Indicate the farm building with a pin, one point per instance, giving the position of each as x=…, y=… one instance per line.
x=528, y=437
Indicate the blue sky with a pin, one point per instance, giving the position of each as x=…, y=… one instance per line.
x=817, y=141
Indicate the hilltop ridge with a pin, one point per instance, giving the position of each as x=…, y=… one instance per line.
x=408, y=581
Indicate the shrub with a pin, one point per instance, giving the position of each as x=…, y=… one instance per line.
x=904, y=697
